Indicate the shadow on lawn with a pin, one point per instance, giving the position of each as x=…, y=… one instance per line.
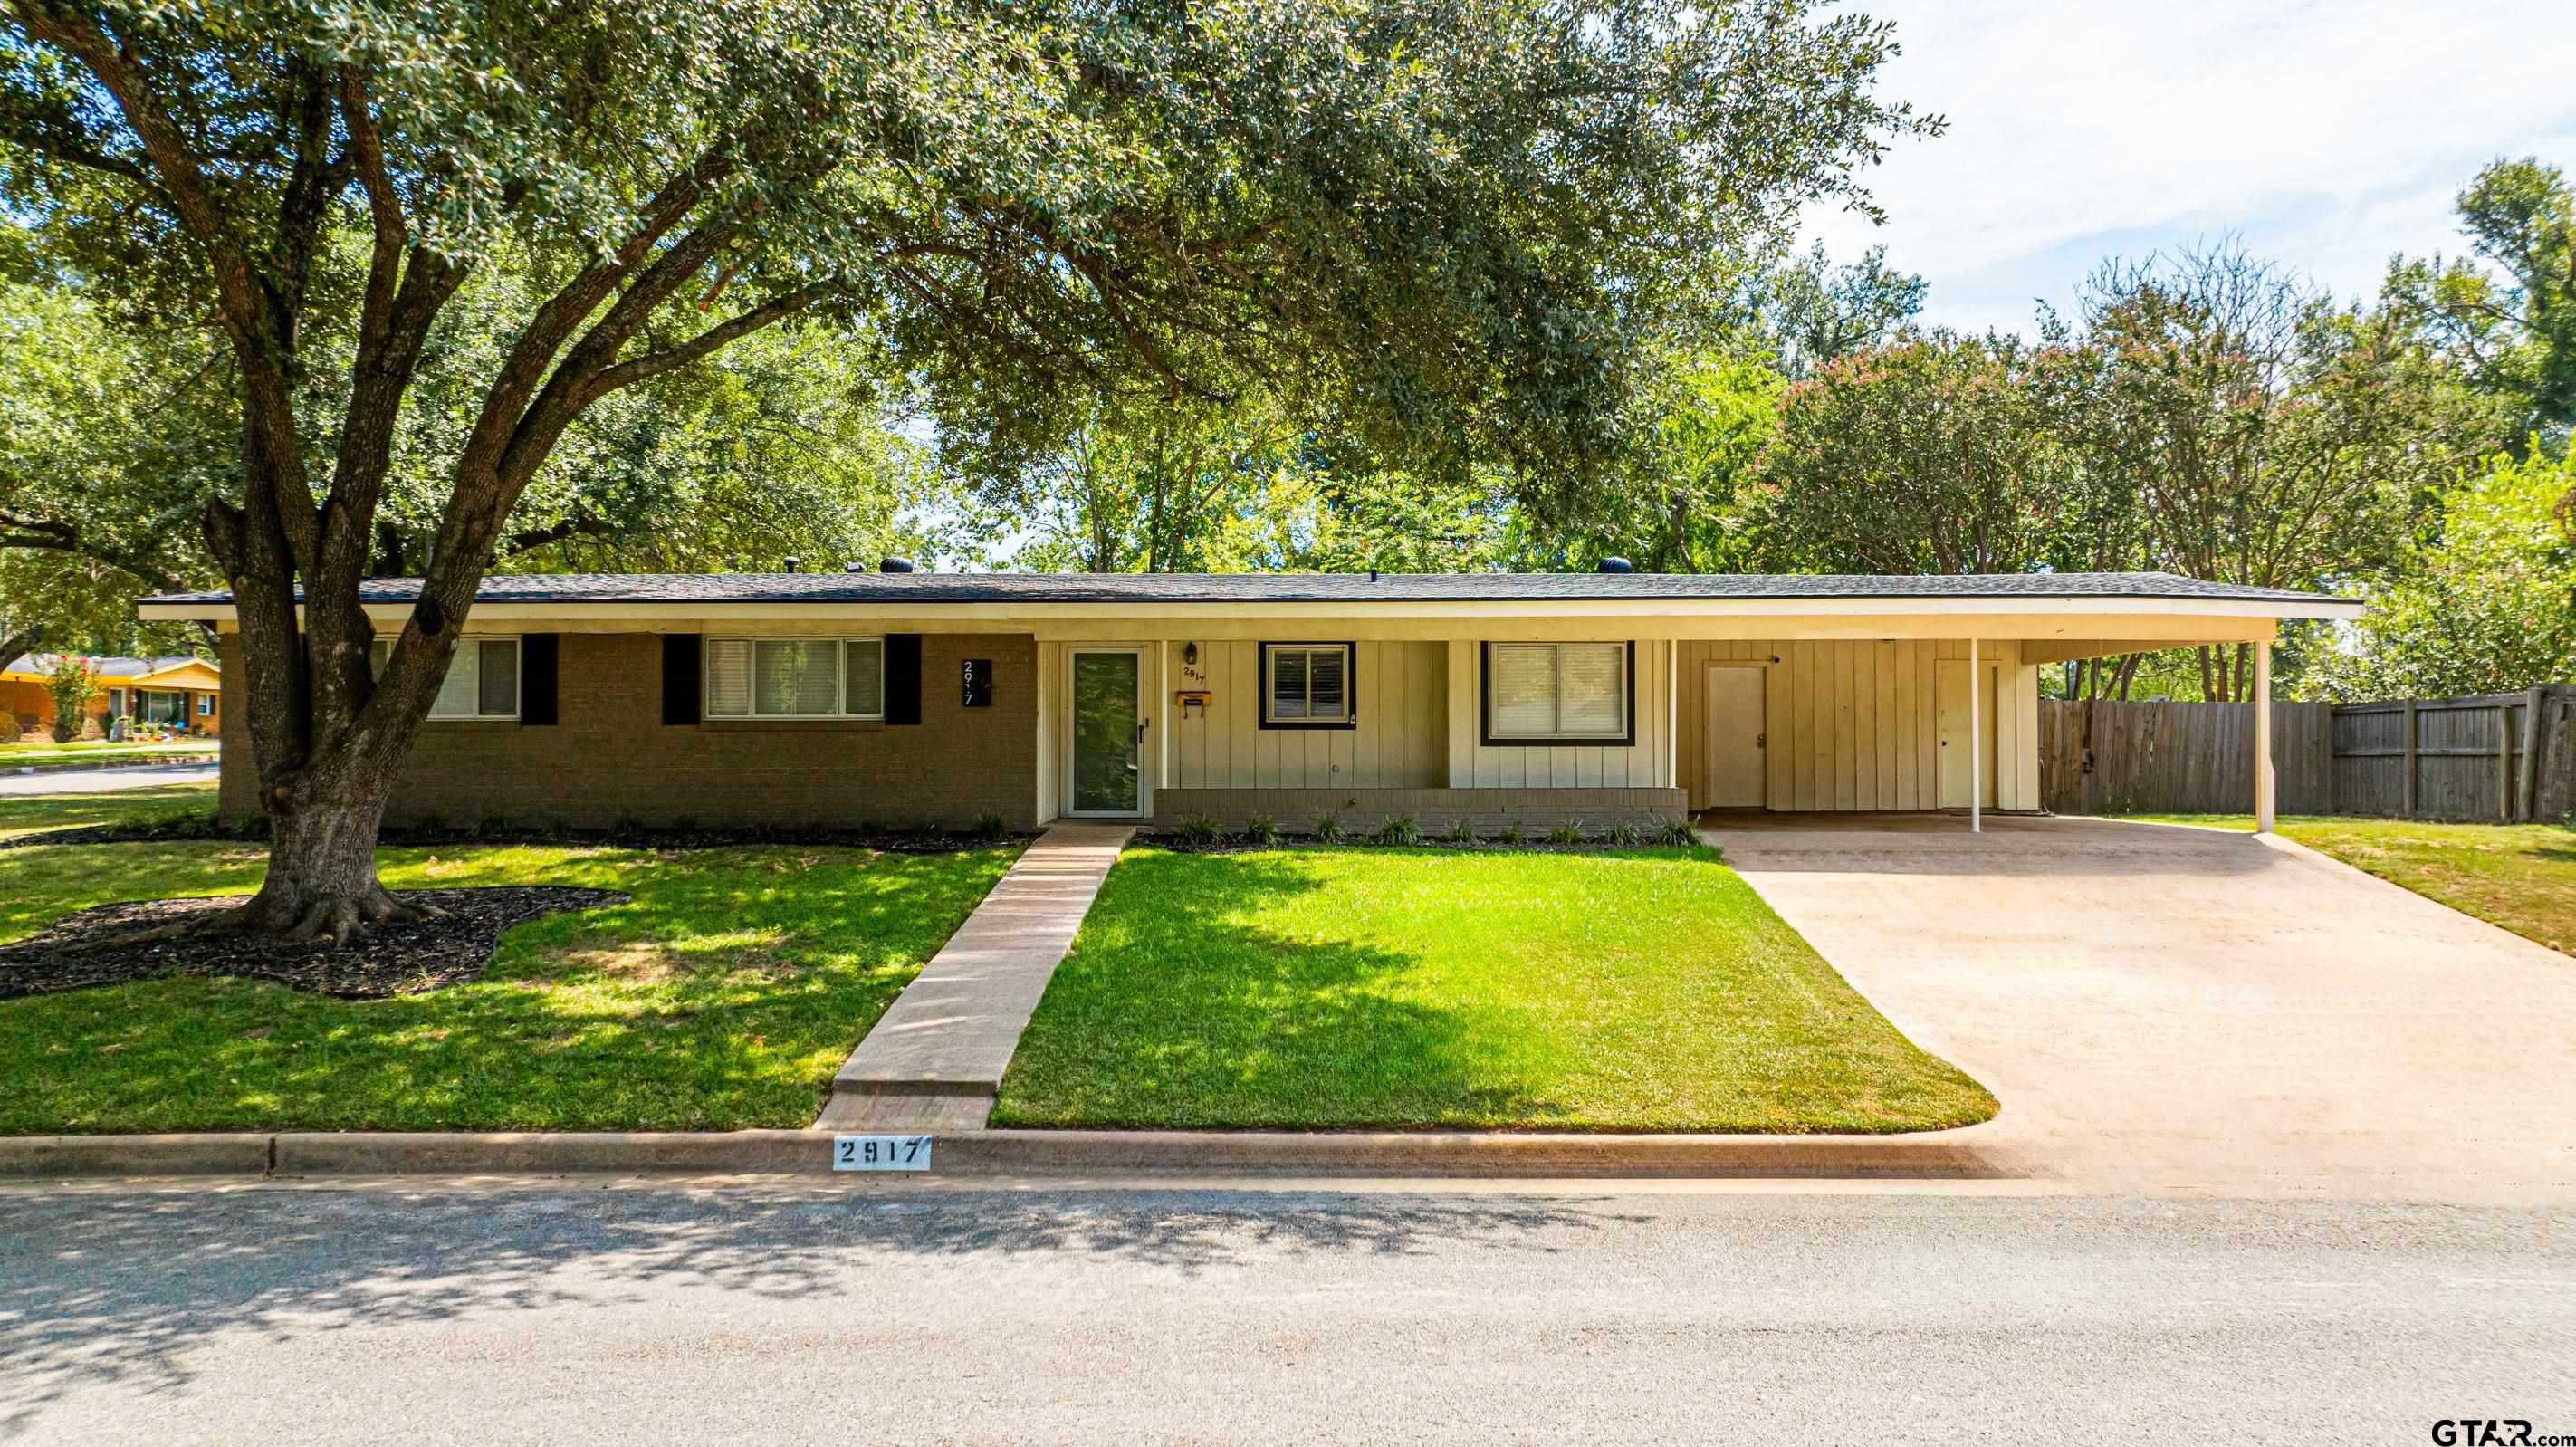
x=1178, y=1009
x=99, y=1289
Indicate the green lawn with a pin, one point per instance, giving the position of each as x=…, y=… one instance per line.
x=1638, y=990
x=722, y=996
x=2520, y=876
x=46, y=751
x=37, y=813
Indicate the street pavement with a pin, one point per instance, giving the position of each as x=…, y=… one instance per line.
x=787, y=1312
x=14, y=785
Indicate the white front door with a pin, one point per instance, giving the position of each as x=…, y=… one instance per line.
x=1734, y=772
x=1106, y=774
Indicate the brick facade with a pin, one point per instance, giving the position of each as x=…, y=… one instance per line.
x=1434, y=810
x=612, y=758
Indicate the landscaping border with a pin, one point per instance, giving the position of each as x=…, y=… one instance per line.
x=1962, y=1153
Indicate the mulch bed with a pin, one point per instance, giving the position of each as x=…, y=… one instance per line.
x=97, y=946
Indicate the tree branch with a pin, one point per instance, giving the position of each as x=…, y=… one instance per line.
x=653, y=364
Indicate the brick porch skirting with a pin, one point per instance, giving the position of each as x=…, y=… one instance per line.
x=1485, y=810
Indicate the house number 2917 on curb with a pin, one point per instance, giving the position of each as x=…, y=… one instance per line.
x=880, y=1153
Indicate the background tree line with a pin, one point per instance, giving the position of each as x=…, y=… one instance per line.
x=2205, y=413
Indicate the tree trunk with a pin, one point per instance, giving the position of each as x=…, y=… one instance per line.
x=321, y=880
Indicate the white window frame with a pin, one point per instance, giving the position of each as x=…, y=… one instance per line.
x=840, y=683
x=474, y=641
x=205, y=705
x=1270, y=653
x=1624, y=736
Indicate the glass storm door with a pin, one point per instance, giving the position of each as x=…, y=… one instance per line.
x=1108, y=732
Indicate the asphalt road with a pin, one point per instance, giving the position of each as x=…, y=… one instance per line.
x=796, y=1313
x=14, y=785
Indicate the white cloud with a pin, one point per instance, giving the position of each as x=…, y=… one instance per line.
x=2327, y=136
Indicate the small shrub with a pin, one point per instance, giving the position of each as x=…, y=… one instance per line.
x=985, y=826
x=1566, y=834
x=1512, y=834
x=1198, y=831
x=1261, y=829
x=1625, y=834
x=73, y=684
x=491, y=826
x=1328, y=830
x=626, y=826
x=1461, y=832
x=1679, y=833
x=431, y=824
x=1399, y=830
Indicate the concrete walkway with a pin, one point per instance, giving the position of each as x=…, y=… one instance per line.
x=935, y=1060
x=2196, y=1011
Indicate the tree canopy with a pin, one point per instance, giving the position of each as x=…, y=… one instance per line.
x=1457, y=221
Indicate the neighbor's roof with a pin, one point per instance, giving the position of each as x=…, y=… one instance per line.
x=683, y=589
x=45, y=663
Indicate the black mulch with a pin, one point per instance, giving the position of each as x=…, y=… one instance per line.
x=97, y=946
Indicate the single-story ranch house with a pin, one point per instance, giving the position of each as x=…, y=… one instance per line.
x=1536, y=699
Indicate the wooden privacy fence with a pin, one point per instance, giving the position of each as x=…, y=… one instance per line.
x=2493, y=757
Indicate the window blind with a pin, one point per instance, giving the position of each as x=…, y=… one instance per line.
x=863, y=668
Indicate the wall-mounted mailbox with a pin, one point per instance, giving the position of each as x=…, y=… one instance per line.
x=1191, y=698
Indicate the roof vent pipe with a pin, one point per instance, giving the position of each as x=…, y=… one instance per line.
x=894, y=565
x=1617, y=565
x=791, y=565
x=854, y=567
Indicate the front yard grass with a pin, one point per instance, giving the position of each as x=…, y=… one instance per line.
x=1643, y=989
x=722, y=996
x=36, y=813
x=2519, y=876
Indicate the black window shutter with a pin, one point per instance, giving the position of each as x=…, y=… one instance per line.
x=538, y=653
x=903, y=678
x=680, y=678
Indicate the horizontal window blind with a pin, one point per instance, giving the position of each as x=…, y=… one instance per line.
x=863, y=668
x=1571, y=691
x=728, y=677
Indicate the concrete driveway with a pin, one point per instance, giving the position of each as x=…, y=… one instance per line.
x=2194, y=1011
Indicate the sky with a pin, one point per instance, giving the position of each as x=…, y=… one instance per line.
x=2324, y=137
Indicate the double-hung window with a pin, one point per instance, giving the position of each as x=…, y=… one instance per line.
x=1557, y=693
x=791, y=678
x=482, y=679
x=1306, y=685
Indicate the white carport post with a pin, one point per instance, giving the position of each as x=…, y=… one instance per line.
x=2263, y=781
x=1976, y=745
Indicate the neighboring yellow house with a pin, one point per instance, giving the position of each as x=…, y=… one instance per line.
x=176, y=692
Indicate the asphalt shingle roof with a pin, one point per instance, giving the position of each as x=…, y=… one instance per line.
x=937, y=588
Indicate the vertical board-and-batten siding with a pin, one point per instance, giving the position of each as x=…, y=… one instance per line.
x=1855, y=724
x=1474, y=764
x=1399, y=741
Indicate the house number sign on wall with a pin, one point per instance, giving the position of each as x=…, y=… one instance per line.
x=977, y=677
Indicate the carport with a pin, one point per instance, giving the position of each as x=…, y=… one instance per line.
x=1925, y=697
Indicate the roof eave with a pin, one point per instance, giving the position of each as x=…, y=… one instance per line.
x=211, y=611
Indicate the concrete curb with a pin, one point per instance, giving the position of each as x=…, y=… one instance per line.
x=64, y=766
x=24, y=1157
x=1962, y=1154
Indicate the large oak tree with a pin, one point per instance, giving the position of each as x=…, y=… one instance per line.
x=1458, y=214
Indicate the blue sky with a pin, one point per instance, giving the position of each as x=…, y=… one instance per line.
x=2324, y=136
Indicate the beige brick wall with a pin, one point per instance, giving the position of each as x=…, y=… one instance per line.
x=1486, y=810
x=611, y=758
